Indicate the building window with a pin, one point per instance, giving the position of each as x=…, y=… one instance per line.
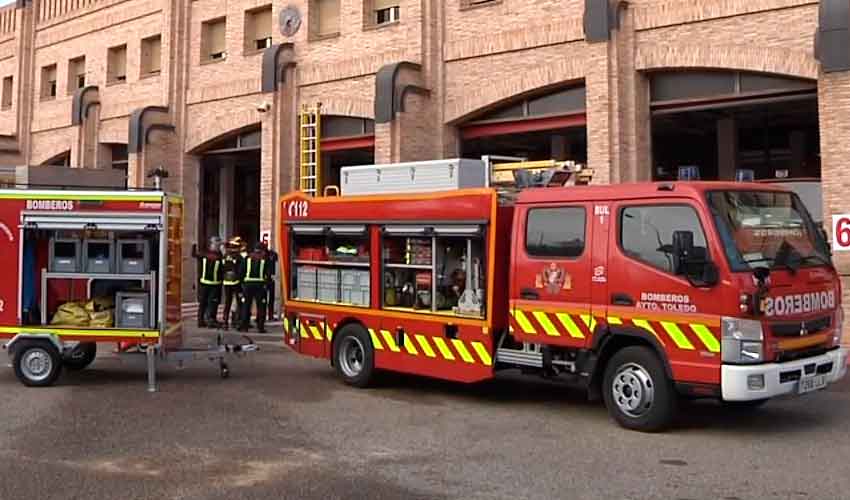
x=258, y=29
x=76, y=74
x=151, y=59
x=116, y=65
x=324, y=18
x=6, y=102
x=214, y=40
x=646, y=233
x=468, y=4
x=48, y=82
x=381, y=12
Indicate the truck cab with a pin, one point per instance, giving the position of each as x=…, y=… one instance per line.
x=659, y=290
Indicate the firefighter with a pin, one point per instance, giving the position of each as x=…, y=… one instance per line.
x=271, y=262
x=255, y=275
x=209, y=283
x=231, y=280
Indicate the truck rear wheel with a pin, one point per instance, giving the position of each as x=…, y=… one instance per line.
x=354, y=356
x=637, y=391
x=37, y=363
x=81, y=356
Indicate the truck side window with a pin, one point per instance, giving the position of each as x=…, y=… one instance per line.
x=555, y=232
x=646, y=232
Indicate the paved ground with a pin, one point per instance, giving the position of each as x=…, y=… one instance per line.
x=283, y=427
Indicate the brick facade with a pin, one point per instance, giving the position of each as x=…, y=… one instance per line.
x=471, y=58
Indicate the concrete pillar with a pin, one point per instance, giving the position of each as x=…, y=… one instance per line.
x=599, y=131
x=727, y=148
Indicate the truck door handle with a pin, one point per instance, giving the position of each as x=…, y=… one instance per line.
x=622, y=299
x=529, y=294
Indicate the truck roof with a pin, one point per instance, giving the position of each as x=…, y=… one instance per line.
x=640, y=190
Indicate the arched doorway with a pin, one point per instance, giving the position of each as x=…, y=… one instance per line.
x=541, y=126
x=230, y=186
x=727, y=123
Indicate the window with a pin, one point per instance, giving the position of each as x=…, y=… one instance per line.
x=116, y=65
x=466, y=4
x=6, y=101
x=48, y=82
x=441, y=274
x=555, y=232
x=324, y=18
x=151, y=59
x=646, y=233
x=382, y=12
x=214, y=40
x=76, y=74
x=258, y=29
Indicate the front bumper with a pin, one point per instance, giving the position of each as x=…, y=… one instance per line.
x=778, y=377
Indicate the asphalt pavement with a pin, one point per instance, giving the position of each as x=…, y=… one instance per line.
x=283, y=426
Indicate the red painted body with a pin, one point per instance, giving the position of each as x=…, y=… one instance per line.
x=685, y=325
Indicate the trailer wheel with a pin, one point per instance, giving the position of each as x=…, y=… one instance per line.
x=37, y=363
x=354, y=356
x=80, y=356
x=637, y=391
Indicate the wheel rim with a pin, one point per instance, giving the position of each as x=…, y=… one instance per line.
x=36, y=364
x=633, y=390
x=351, y=356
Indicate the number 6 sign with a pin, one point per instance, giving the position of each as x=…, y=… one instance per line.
x=841, y=233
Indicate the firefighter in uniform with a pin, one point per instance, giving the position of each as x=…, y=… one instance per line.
x=232, y=283
x=209, y=284
x=255, y=275
x=271, y=262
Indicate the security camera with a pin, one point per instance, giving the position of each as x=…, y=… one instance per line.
x=265, y=106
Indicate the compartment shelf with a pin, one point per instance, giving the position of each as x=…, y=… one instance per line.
x=338, y=263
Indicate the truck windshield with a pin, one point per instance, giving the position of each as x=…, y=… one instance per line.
x=767, y=229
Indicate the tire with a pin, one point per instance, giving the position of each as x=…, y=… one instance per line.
x=637, y=391
x=81, y=356
x=354, y=356
x=37, y=363
x=744, y=405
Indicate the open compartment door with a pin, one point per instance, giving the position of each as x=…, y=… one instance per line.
x=171, y=248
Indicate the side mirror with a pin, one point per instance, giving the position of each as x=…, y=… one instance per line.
x=703, y=275
x=692, y=263
x=683, y=250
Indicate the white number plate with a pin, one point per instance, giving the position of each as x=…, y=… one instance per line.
x=810, y=384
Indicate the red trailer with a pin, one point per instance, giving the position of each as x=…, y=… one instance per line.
x=642, y=293
x=92, y=267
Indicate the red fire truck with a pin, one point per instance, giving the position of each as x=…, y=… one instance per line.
x=642, y=293
x=87, y=267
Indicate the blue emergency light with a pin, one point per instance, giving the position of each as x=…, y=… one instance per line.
x=689, y=173
x=745, y=175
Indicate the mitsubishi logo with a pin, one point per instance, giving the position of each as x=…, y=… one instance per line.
x=803, y=330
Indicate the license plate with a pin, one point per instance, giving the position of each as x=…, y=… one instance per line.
x=810, y=384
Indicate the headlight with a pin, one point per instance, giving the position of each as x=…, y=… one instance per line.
x=743, y=341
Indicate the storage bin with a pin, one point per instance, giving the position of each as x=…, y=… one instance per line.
x=305, y=283
x=133, y=256
x=132, y=310
x=354, y=287
x=64, y=255
x=328, y=289
x=98, y=256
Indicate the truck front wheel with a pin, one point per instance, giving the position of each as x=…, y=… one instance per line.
x=354, y=356
x=637, y=391
x=37, y=363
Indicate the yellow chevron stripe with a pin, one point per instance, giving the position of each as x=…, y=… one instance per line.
x=678, y=337
x=375, y=341
x=329, y=332
x=482, y=353
x=390, y=341
x=461, y=349
x=589, y=321
x=286, y=324
x=646, y=325
x=523, y=322
x=570, y=325
x=304, y=334
x=613, y=320
x=708, y=339
x=408, y=345
x=547, y=325
x=316, y=333
x=444, y=348
x=426, y=347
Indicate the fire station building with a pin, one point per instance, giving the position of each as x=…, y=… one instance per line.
x=214, y=90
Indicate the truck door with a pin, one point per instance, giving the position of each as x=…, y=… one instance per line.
x=650, y=297
x=550, y=293
x=602, y=232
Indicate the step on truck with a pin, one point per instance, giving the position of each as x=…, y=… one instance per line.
x=93, y=267
x=642, y=293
